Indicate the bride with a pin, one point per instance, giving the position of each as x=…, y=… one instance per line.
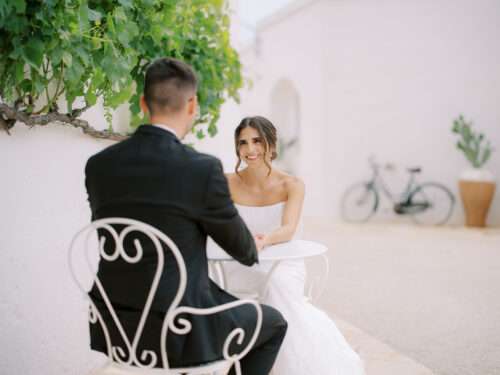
x=270, y=202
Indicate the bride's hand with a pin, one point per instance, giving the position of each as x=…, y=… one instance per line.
x=260, y=241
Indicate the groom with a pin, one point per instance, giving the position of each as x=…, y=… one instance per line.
x=154, y=178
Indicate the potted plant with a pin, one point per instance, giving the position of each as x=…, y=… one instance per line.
x=476, y=185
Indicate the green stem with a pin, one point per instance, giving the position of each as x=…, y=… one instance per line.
x=45, y=70
x=97, y=38
x=56, y=93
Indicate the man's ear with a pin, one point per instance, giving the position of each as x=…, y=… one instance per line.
x=143, y=105
x=192, y=105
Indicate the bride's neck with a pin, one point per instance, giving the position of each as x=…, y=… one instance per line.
x=256, y=176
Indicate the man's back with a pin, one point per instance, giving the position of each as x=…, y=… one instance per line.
x=153, y=178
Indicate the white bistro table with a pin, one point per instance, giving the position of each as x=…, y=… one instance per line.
x=292, y=250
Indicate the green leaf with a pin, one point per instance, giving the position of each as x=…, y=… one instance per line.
x=33, y=52
x=67, y=58
x=19, y=72
x=39, y=86
x=19, y=5
x=98, y=78
x=200, y=134
x=126, y=3
x=17, y=52
x=56, y=56
x=26, y=85
x=486, y=154
x=111, y=24
x=126, y=32
x=134, y=105
x=94, y=15
x=137, y=120
x=64, y=35
x=83, y=55
x=119, y=97
x=212, y=129
x=83, y=17
x=90, y=98
x=74, y=74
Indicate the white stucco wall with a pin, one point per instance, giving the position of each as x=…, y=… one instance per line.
x=384, y=78
x=43, y=326
x=398, y=73
x=291, y=50
x=43, y=204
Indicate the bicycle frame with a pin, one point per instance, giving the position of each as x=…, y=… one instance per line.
x=378, y=184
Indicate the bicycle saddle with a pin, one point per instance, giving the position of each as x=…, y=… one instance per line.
x=414, y=170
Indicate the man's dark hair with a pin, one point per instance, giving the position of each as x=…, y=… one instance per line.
x=168, y=84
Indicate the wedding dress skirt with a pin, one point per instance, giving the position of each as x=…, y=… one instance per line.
x=313, y=344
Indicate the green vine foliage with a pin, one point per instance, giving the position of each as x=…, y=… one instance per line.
x=90, y=49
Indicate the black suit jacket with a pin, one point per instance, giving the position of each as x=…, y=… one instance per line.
x=154, y=178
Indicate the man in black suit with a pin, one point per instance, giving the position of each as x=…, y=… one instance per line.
x=154, y=178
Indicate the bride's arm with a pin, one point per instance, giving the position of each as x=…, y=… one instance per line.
x=291, y=214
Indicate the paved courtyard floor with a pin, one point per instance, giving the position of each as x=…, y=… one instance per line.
x=414, y=300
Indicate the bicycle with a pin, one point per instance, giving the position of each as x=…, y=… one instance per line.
x=426, y=203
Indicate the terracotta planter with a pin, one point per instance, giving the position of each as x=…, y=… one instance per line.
x=477, y=188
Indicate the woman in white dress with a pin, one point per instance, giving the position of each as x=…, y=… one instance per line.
x=270, y=202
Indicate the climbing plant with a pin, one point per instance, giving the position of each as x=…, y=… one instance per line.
x=60, y=57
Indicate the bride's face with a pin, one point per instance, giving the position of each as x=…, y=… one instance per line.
x=251, y=146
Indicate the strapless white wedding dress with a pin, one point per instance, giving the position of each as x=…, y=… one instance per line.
x=313, y=344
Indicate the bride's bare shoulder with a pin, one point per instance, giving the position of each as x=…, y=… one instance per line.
x=291, y=182
x=296, y=186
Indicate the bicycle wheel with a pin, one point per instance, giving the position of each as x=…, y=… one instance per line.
x=359, y=202
x=436, y=204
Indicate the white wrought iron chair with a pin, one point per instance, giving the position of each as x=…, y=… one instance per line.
x=146, y=361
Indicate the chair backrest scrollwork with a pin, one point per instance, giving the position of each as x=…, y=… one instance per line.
x=147, y=358
x=128, y=355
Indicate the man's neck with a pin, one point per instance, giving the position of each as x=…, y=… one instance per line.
x=171, y=122
x=166, y=127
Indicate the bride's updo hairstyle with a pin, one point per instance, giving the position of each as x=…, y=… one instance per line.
x=266, y=131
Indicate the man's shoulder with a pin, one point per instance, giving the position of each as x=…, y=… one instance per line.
x=200, y=159
x=107, y=152
x=186, y=157
x=200, y=167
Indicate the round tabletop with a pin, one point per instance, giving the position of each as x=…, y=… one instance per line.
x=295, y=249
